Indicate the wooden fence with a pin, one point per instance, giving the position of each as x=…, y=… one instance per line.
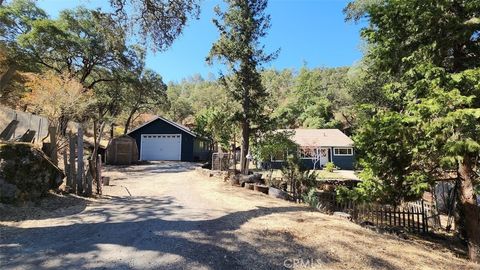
x=81, y=173
x=412, y=217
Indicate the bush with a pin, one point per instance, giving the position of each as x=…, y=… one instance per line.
x=298, y=177
x=311, y=198
x=329, y=167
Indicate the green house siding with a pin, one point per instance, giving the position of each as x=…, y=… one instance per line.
x=201, y=150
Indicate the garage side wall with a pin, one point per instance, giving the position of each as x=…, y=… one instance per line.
x=161, y=127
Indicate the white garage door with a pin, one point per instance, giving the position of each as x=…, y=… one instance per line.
x=161, y=147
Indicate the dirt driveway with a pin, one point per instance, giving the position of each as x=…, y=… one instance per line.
x=167, y=216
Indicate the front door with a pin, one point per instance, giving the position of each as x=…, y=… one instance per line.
x=323, y=156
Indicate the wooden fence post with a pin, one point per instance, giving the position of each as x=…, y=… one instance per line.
x=80, y=167
x=66, y=166
x=389, y=216
x=71, y=182
x=53, y=144
x=424, y=217
x=418, y=220
x=89, y=177
x=99, y=174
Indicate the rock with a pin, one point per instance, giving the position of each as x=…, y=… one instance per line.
x=106, y=180
x=343, y=215
x=277, y=193
x=253, y=178
x=234, y=181
x=249, y=186
x=8, y=192
x=26, y=172
x=261, y=188
x=207, y=165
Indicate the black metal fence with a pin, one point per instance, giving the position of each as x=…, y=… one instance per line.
x=413, y=217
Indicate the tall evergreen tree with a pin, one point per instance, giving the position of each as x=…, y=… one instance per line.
x=427, y=118
x=241, y=27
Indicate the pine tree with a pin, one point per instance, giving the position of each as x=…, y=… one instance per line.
x=241, y=27
x=425, y=117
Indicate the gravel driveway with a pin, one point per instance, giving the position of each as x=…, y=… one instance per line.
x=166, y=216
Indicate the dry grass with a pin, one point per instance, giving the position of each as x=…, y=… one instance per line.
x=246, y=227
x=52, y=206
x=321, y=241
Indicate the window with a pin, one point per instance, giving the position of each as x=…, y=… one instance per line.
x=343, y=151
x=307, y=153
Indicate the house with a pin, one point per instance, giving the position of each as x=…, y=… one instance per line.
x=319, y=146
x=162, y=139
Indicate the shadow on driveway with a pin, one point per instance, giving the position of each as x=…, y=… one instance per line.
x=133, y=223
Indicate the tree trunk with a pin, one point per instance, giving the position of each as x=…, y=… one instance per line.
x=244, y=147
x=471, y=212
x=234, y=151
x=72, y=174
x=127, y=123
x=80, y=165
x=7, y=76
x=99, y=174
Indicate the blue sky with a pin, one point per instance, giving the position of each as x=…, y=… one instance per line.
x=306, y=31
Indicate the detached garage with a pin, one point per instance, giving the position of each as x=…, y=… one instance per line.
x=162, y=139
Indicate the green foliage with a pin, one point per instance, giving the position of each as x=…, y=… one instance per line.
x=314, y=97
x=329, y=167
x=16, y=18
x=311, y=197
x=243, y=56
x=241, y=26
x=142, y=91
x=298, y=177
x=327, y=107
x=417, y=90
x=190, y=97
x=87, y=44
x=216, y=124
x=275, y=144
x=156, y=23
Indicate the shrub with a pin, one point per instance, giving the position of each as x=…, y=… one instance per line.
x=329, y=167
x=311, y=198
x=298, y=177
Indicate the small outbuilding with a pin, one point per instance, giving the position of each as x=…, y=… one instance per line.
x=162, y=139
x=122, y=150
